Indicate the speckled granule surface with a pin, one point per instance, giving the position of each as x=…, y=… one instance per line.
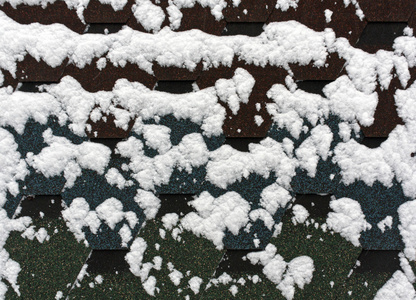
x=208, y=149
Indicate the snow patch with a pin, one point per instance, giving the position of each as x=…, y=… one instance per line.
x=386, y=222
x=236, y=90
x=398, y=287
x=298, y=272
x=195, y=283
x=79, y=215
x=284, y=5
x=300, y=214
x=407, y=227
x=347, y=219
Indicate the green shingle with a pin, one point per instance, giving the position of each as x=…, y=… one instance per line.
x=47, y=267
x=192, y=256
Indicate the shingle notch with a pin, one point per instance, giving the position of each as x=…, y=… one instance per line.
x=243, y=28
x=378, y=261
x=31, y=87
x=107, y=261
x=234, y=262
x=175, y=86
x=373, y=142
x=104, y=28
x=110, y=142
x=36, y=70
x=386, y=117
x=175, y=203
x=316, y=205
x=313, y=86
x=45, y=205
x=106, y=128
x=380, y=35
x=242, y=143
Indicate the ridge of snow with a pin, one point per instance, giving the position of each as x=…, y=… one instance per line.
x=227, y=165
x=407, y=227
x=61, y=156
x=79, y=215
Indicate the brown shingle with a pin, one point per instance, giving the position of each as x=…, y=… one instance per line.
x=97, y=12
x=106, y=128
x=8, y=80
x=243, y=124
x=176, y=73
x=29, y=69
x=387, y=10
x=94, y=80
x=248, y=11
x=57, y=12
x=330, y=71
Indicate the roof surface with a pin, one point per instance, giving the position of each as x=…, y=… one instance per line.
x=207, y=149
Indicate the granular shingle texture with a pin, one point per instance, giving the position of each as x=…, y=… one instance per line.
x=207, y=149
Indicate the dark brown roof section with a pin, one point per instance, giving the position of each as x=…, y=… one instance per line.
x=96, y=12
x=56, y=12
x=243, y=123
x=387, y=10
x=249, y=11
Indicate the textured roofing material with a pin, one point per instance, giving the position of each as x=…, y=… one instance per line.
x=207, y=149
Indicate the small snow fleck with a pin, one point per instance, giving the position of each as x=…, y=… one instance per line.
x=258, y=120
x=150, y=285
x=176, y=277
x=234, y=290
x=236, y=3
x=162, y=233
x=195, y=283
x=386, y=222
x=328, y=15
x=408, y=31
x=42, y=235
x=59, y=295
x=300, y=214
x=99, y=279
x=170, y=220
